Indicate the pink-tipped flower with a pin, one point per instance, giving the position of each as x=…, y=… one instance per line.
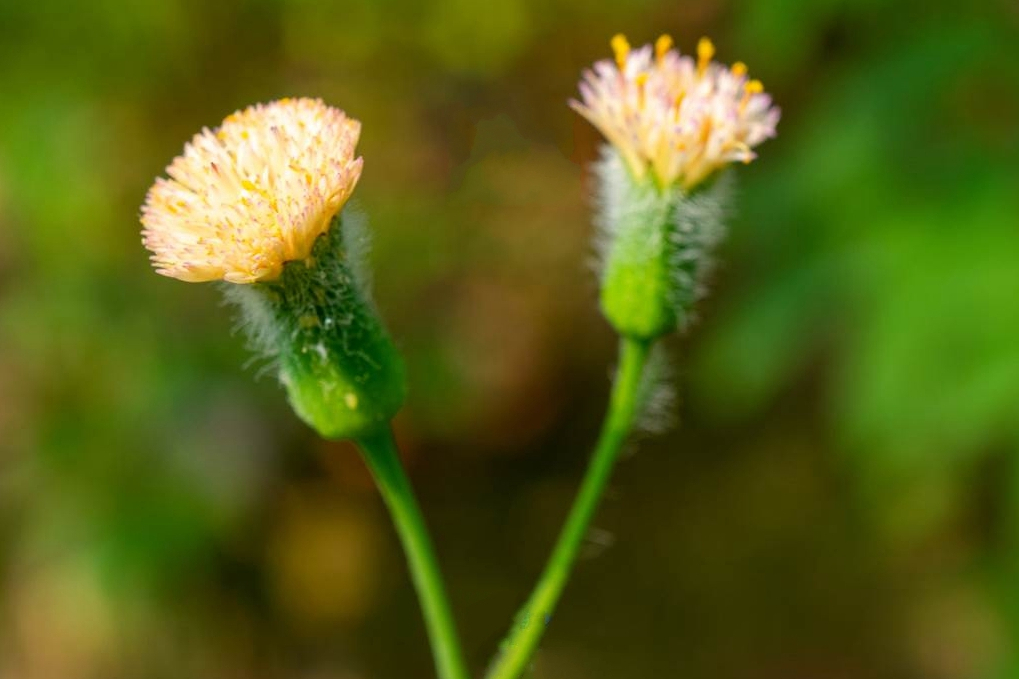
x=254, y=193
x=673, y=117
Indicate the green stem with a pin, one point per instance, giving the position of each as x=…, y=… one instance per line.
x=523, y=639
x=379, y=451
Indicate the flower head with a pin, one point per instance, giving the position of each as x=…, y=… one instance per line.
x=254, y=193
x=675, y=117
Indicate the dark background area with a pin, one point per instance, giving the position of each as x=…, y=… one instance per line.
x=839, y=496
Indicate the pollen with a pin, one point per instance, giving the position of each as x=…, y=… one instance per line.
x=253, y=194
x=621, y=48
x=705, y=52
x=674, y=117
x=750, y=89
x=662, y=46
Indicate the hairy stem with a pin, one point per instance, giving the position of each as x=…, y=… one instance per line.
x=522, y=641
x=379, y=451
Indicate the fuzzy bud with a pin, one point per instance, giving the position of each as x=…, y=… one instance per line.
x=655, y=247
x=341, y=371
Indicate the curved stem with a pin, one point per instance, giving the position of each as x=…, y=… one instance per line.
x=379, y=452
x=522, y=641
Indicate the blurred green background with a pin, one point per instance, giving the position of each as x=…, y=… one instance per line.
x=840, y=497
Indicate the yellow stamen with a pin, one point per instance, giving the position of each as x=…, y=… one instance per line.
x=753, y=87
x=739, y=69
x=641, y=80
x=621, y=47
x=662, y=46
x=705, y=51
x=706, y=131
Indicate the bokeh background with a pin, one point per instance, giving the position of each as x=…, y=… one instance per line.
x=839, y=496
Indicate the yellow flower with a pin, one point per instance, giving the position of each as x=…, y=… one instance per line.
x=255, y=193
x=678, y=118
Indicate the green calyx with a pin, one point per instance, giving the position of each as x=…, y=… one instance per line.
x=342, y=373
x=637, y=289
x=655, y=245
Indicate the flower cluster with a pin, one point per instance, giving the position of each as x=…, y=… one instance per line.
x=253, y=194
x=677, y=118
x=258, y=201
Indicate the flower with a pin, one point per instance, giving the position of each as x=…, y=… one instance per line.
x=253, y=194
x=673, y=117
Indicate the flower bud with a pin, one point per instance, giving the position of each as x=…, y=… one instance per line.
x=655, y=247
x=256, y=203
x=341, y=371
x=672, y=124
